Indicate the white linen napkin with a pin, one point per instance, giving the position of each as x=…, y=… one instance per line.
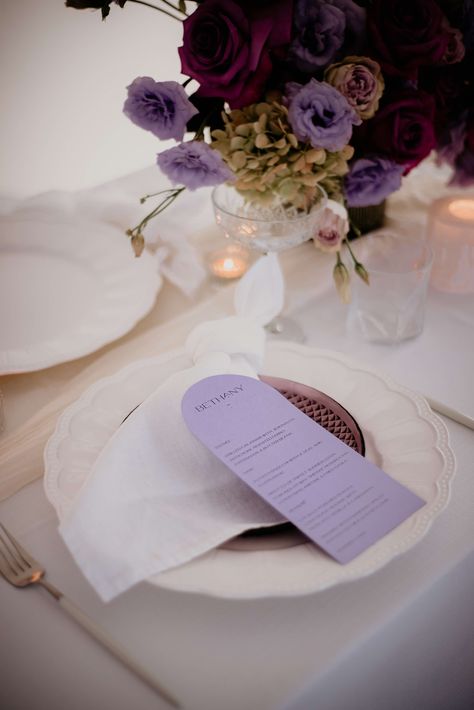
x=169, y=236
x=156, y=497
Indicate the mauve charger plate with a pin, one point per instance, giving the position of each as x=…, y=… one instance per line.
x=322, y=409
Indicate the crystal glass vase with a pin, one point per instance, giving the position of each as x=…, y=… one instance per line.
x=270, y=226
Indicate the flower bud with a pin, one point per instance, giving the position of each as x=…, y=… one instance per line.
x=362, y=272
x=342, y=280
x=138, y=244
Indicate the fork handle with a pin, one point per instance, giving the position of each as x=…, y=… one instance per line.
x=107, y=642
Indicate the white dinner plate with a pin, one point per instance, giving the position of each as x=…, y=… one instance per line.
x=67, y=289
x=402, y=436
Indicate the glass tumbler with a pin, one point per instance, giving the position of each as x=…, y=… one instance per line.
x=392, y=308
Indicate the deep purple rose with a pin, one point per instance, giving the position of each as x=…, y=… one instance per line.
x=103, y=5
x=407, y=34
x=161, y=107
x=318, y=113
x=370, y=180
x=324, y=30
x=227, y=50
x=449, y=86
x=194, y=164
x=403, y=130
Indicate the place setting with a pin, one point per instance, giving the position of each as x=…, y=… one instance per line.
x=105, y=427
x=245, y=389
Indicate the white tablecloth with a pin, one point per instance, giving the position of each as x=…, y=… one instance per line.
x=401, y=638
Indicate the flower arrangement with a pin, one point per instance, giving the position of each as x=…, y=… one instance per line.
x=347, y=94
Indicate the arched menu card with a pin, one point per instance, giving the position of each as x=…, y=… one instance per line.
x=338, y=499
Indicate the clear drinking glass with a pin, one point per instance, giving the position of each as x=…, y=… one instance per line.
x=392, y=307
x=267, y=228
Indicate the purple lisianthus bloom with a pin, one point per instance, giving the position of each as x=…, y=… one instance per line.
x=161, y=107
x=370, y=180
x=194, y=164
x=324, y=30
x=318, y=113
x=356, y=21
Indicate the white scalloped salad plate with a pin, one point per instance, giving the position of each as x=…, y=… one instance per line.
x=67, y=289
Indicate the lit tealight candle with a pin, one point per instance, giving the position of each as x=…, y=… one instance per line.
x=462, y=209
x=451, y=232
x=229, y=263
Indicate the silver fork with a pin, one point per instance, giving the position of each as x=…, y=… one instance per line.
x=19, y=568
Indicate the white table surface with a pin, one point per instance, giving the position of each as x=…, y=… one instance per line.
x=214, y=654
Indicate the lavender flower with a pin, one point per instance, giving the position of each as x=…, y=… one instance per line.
x=194, y=164
x=371, y=180
x=160, y=107
x=318, y=113
x=356, y=18
x=325, y=29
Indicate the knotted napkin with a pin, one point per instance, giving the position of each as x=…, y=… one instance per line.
x=156, y=497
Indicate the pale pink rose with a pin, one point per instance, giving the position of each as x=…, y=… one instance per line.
x=332, y=227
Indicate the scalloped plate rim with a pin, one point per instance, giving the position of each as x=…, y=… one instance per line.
x=369, y=562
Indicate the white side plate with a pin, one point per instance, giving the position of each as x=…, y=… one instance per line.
x=402, y=435
x=67, y=289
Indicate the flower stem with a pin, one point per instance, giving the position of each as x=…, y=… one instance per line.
x=354, y=258
x=160, y=9
x=136, y=233
x=359, y=268
x=154, y=194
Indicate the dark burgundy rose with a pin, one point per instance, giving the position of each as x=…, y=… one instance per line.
x=103, y=5
x=407, y=34
x=403, y=129
x=448, y=87
x=227, y=49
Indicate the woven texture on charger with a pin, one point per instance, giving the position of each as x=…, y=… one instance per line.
x=324, y=410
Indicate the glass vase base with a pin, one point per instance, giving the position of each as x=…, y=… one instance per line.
x=284, y=328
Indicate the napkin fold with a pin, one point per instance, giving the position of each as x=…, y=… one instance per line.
x=177, y=258
x=156, y=497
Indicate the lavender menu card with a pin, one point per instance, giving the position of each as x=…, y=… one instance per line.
x=338, y=499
